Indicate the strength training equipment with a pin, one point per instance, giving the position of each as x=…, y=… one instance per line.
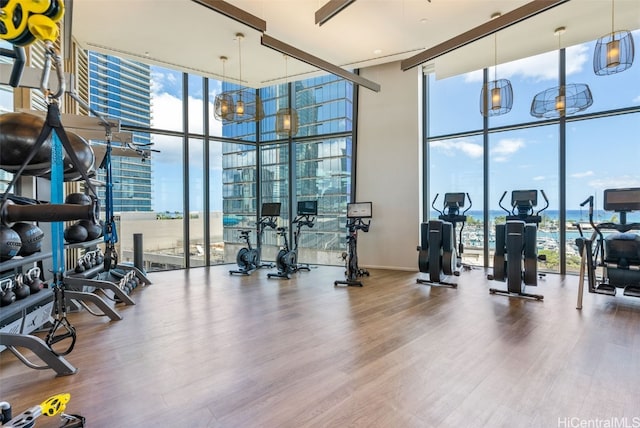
x=30, y=237
x=438, y=254
x=249, y=258
x=617, y=254
x=287, y=259
x=52, y=406
x=355, y=213
x=516, y=245
x=10, y=243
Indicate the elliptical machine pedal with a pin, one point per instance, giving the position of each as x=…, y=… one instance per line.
x=438, y=254
x=516, y=255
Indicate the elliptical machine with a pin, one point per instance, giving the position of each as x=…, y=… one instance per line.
x=516, y=245
x=355, y=213
x=438, y=254
x=287, y=259
x=618, y=253
x=249, y=258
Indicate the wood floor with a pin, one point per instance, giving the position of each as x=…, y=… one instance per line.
x=202, y=348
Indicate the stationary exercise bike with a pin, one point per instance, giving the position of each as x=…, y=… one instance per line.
x=516, y=245
x=249, y=258
x=355, y=213
x=438, y=254
x=287, y=259
x=618, y=253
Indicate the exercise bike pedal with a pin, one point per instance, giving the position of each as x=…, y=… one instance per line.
x=632, y=291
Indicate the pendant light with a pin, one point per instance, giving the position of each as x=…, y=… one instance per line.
x=496, y=97
x=614, y=51
x=223, y=104
x=239, y=102
x=562, y=100
x=286, y=117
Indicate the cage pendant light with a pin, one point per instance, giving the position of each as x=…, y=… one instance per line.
x=223, y=104
x=496, y=97
x=286, y=117
x=614, y=51
x=562, y=100
x=247, y=103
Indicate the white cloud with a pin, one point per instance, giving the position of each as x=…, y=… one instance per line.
x=615, y=182
x=453, y=147
x=537, y=68
x=167, y=114
x=539, y=178
x=636, y=99
x=507, y=146
x=582, y=174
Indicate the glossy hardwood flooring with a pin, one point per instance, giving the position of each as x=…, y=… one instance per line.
x=202, y=348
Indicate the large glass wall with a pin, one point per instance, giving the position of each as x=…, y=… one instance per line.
x=6, y=105
x=162, y=228
x=568, y=159
x=457, y=166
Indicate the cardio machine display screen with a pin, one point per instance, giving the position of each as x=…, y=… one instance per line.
x=270, y=209
x=359, y=210
x=307, y=207
x=622, y=199
x=518, y=197
x=454, y=198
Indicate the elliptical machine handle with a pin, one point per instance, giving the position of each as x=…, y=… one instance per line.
x=500, y=203
x=470, y=204
x=546, y=200
x=433, y=204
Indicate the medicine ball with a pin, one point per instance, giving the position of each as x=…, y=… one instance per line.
x=85, y=155
x=78, y=199
x=19, y=134
x=75, y=233
x=30, y=236
x=94, y=230
x=10, y=243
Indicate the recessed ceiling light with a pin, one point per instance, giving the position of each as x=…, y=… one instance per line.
x=423, y=20
x=377, y=51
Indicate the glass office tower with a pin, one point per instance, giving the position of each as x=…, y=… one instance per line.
x=121, y=89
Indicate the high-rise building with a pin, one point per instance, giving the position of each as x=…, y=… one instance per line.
x=121, y=89
x=320, y=158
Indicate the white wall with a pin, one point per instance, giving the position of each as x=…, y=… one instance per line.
x=388, y=167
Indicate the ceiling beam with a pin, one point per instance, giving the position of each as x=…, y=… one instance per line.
x=235, y=13
x=331, y=9
x=510, y=18
x=305, y=57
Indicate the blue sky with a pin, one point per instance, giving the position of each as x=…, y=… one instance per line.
x=601, y=153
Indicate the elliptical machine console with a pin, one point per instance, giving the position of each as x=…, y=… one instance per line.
x=516, y=245
x=617, y=254
x=287, y=259
x=249, y=258
x=356, y=212
x=438, y=254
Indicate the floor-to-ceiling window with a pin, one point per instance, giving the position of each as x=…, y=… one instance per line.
x=568, y=159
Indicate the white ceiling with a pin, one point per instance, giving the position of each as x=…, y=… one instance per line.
x=185, y=35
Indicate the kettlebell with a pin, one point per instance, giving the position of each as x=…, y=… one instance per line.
x=99, y=257
x=79, y=266
x=34, y=281
x=7, y=296
x=21, y=289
